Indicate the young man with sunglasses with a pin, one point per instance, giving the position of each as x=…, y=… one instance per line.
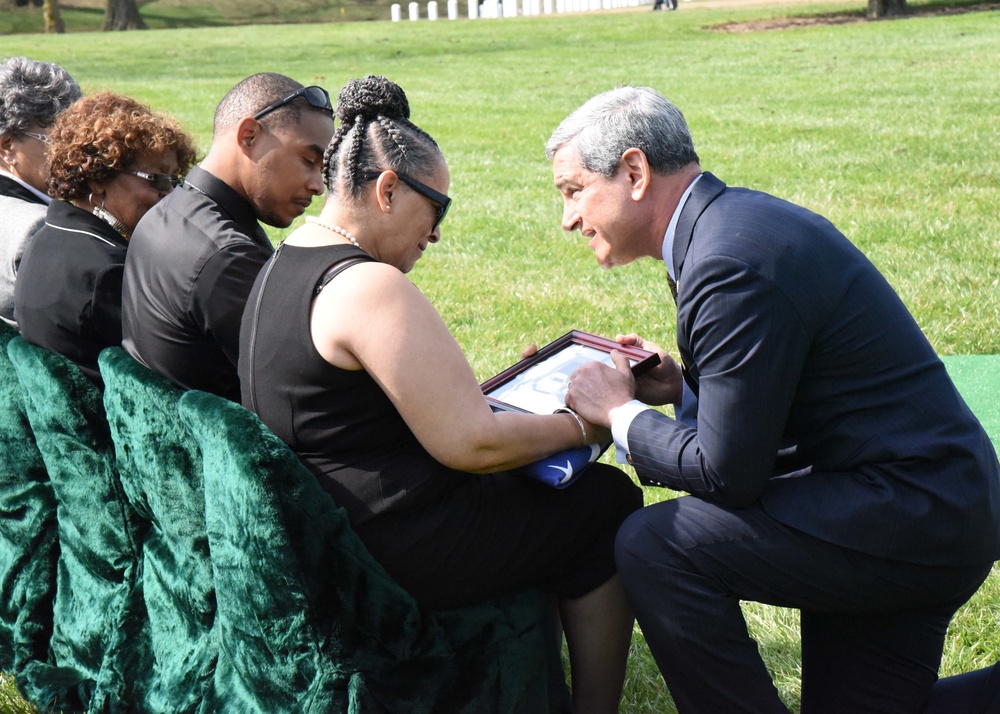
x=193, y=259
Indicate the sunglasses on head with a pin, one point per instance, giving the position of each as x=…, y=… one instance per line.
x=440, y=201
x=316, y=96
x=164, y=183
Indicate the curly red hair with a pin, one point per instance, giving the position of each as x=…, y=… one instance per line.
x=104, y=134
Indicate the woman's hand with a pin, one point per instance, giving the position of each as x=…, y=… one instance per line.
x=596, y=434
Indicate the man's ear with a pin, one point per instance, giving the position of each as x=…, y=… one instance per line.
x=248, y=132
x=635, y=168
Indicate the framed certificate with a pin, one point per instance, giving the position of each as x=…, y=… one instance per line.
x=538, y=383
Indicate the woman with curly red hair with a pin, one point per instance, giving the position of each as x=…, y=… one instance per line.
x=110, y=160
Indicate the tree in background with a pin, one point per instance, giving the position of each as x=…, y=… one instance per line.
x=53, y=18
x=118, y=15
x=122, y=15
x=50, y=11
x=886, y=8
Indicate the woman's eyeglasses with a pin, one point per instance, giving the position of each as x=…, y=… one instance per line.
x=38, y=137
x=316, y=96
x=164, y=183
x=440, y=201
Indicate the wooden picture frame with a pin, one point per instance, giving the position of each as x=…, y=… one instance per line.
x=537, y=384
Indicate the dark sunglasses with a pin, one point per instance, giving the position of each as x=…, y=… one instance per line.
x=164, y=183
x=441, y=202
x=316, y=96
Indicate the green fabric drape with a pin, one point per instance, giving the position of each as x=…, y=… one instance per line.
x=161, y=474
x=97, y=566
x=310, y=622
x=307, y=621
x=28, y=544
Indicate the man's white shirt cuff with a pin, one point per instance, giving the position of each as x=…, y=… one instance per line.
x=621, y=420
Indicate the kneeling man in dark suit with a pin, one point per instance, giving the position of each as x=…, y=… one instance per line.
x=832, y=466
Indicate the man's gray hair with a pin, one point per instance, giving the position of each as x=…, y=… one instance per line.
x=33, y=91
x=611, y=123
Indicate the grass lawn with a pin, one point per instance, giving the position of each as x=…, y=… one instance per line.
x=887, y=128
x=87, y=15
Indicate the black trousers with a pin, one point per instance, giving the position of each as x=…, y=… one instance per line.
x=872, y=629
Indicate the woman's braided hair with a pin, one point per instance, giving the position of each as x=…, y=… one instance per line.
x=375, y=134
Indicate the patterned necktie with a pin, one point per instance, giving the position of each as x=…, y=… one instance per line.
x=673, y=288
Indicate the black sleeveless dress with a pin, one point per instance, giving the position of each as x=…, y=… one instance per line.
x=449, y=538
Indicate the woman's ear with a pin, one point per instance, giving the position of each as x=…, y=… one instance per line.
x=7, y=150
x=98, y=193
x=386, y=187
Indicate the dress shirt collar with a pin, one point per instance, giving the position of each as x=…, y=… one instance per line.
x=64, y=216
x=232, y=203
x=668, y=237
x=34, y=191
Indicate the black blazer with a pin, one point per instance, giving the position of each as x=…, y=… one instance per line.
x=818, y=395
x=68, y=294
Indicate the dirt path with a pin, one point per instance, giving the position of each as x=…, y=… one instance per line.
x=838, y=18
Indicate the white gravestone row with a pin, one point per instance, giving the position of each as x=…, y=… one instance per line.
x=509, y=8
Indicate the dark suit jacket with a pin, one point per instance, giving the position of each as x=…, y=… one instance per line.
x=68, y=294
x=818, y=395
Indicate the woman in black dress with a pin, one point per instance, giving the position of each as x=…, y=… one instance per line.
x=358, y=373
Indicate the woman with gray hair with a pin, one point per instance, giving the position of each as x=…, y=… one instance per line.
x=32, y=94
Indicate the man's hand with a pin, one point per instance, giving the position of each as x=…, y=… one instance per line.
x=595, y=389
x=661, y=385
x=595, y=432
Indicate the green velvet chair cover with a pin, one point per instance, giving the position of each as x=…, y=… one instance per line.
x=161, y=474
x=28, y=543
x=310, y=622
x=97, y=566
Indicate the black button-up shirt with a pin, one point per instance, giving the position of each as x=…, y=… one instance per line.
x=191, y=264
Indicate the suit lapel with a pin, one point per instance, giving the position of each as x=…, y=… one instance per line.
x=703, y=193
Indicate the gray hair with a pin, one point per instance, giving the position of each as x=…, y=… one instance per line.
x=611, y=123
x=33, y=91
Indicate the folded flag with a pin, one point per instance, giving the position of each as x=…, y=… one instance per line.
x=560, y=470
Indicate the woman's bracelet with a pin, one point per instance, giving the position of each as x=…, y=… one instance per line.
x=579, y=420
